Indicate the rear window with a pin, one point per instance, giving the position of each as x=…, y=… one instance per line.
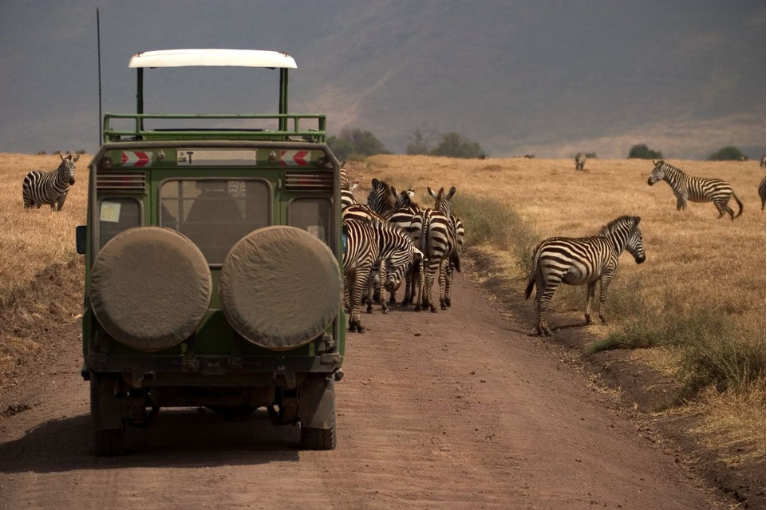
x=215, y=213
x=115, y=215
x=312, y=215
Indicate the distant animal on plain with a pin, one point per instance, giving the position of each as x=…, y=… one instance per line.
x=761, y=192
x=744, y=158
x=579, y=261
x=50, y=188
x=580, y=161
x=695, y=189
x=763, y=163
x=529, y=156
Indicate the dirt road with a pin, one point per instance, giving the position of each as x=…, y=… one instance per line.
x=449, y=410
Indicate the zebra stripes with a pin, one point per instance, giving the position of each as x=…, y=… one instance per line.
x=578, y=261
x=695, y=189
x=367, y=243
x=580, y=161
x=49, y=187
x=761, y=192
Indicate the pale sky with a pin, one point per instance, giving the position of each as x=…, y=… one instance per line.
x=546, y=77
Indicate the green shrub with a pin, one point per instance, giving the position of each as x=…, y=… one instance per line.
x=728, y=153
x=641, y=151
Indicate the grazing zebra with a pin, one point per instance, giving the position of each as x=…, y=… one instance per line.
x=368, y=242
x=696, y=189
x=49, y=187
x=405, y=216
x=580, y=161
x=578, y=261
x=382, y=197
x=761, y=191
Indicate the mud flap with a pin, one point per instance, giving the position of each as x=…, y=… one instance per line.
x=106, y=409
x=316, y=404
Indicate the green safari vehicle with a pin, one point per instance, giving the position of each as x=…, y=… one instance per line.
x=213, y=263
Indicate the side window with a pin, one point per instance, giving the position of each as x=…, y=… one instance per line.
x=312, y=215
x=215, y=213
x=115, y=215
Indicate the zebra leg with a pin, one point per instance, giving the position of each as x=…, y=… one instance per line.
x=603, y=290
x=544, y=291
x=443, y=284
x=681, y=203
x=420, y=284
x=448, y=284
x=590, y=293
x=60, y=202
x=434, y=266
x=371, y=291
x=381, y=281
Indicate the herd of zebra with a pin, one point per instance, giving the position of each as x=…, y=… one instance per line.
x=390, y=239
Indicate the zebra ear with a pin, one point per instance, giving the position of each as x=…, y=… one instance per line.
x=76, y=158
x=375, y=183
x=62, y=157
x=393, y=190
x=451, y=193
x=637, y=219
x=431, y=192
x=342, y=164
x=654, y=162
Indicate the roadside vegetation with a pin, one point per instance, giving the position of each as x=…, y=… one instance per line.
x=695, y=310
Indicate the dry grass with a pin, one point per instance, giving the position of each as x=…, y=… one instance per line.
x=32, y=240
x=701, y=291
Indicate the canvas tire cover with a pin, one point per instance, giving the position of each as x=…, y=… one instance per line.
x=280, y=287
x=150, y=288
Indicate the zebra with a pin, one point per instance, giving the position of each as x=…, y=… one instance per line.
x=578, y=261
x=433, y=233
x=49, y=187
x=368, y=242
x=761, y=191
x=343, y=178
x=381, y=197
x=763, y=163
x=580, y=161
x=696, y=189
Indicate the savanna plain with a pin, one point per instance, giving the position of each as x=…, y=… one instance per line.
x=693, y=313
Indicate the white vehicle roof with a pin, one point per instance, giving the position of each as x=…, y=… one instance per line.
x=212, y=57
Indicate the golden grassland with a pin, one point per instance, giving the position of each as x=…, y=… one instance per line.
x=703, y=281
x=33, y=239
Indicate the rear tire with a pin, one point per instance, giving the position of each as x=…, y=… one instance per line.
x=108, y=443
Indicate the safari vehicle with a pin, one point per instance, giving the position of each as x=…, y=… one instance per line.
x=213, y=259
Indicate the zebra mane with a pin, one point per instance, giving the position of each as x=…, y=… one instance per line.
x=616, y=224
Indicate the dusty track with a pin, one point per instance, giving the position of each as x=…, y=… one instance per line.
x=447, y=410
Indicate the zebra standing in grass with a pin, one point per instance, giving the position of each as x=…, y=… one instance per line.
x=696, y=189
x=580, y=161
x=49, y=187
x=368, y=242
x=578, y=261
x=433, y=233
x=761, y=191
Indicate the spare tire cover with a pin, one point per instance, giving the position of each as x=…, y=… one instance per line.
x=280, y=287
x=150, y=288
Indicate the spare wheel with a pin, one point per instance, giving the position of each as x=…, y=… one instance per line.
x=150, y=288
x=280, y=287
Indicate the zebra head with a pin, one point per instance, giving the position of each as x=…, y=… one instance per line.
x=634, y=243
x=67, y=168
x=397, y=267
x=442, y=202
x=658, y=172
x=381, y=197
x=405, y=199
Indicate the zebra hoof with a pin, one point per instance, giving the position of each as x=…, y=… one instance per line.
x=385, y=311
x=392, y=300
x=443, y=306
x=447, y=302
x=604, y=321
x=417, y=308
x=588, y=320
x=433, y=309
x=369, y=309
x=360, y=329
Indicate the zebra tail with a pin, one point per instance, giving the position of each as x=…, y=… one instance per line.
x=456, y=259
x=740, y=204
x=531, y=278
